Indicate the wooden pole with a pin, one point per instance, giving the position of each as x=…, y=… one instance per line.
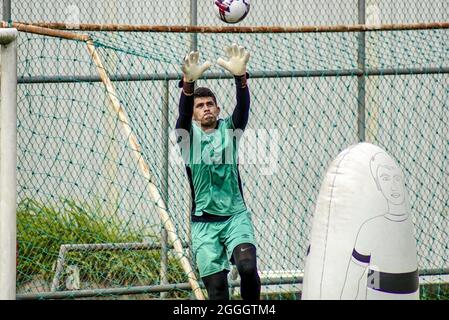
x=45, y=31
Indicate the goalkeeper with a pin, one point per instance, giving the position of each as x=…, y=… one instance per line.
x=222, y=230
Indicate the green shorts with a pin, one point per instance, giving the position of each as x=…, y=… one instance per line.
x=214, y=242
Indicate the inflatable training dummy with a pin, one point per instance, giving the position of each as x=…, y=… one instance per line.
x=362, y=242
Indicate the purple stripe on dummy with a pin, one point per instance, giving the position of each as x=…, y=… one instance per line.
x=361, y=257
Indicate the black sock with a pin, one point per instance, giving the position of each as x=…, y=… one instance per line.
x=244, y=256
x=217, y=285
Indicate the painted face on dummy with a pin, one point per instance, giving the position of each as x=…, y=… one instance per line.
x=205, y=112
x=391, y=184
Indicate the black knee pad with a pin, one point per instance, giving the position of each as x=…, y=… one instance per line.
x=246, y=267
x=244, y=257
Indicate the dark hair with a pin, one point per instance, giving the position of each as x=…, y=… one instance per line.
x=202, y=92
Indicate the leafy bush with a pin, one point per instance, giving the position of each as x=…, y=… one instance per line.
x=42, y=229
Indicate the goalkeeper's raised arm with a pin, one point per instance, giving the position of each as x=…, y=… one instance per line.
x=238, y=57
x=191, y=70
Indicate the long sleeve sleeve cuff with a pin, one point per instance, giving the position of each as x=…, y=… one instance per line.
x=241, y=81
x=187, y=87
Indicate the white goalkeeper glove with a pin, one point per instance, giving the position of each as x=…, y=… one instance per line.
x=238, y=58
x=191, y=69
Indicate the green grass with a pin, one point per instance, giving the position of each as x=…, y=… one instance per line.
x=434, y=292
x=42, y=229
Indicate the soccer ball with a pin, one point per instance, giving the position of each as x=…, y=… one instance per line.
x=232, y=11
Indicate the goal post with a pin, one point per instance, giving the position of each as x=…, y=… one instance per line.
x=8, y=163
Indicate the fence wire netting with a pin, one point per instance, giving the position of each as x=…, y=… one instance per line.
x=78, y=182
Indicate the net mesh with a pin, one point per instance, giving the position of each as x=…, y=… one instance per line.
x=175, y=12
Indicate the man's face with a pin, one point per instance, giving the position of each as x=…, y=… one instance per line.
x=391, y=184
x=205, y=111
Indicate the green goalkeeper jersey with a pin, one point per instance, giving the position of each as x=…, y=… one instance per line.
x=214, y=175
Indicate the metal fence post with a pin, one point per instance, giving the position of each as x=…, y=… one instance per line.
x=193, y=22
x=8, y=164
x=372, y=17
x=361, y=79
x=164, y=237
x=6, y=10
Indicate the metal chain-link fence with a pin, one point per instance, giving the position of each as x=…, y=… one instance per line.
x=263, y=12
x=78, y=183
